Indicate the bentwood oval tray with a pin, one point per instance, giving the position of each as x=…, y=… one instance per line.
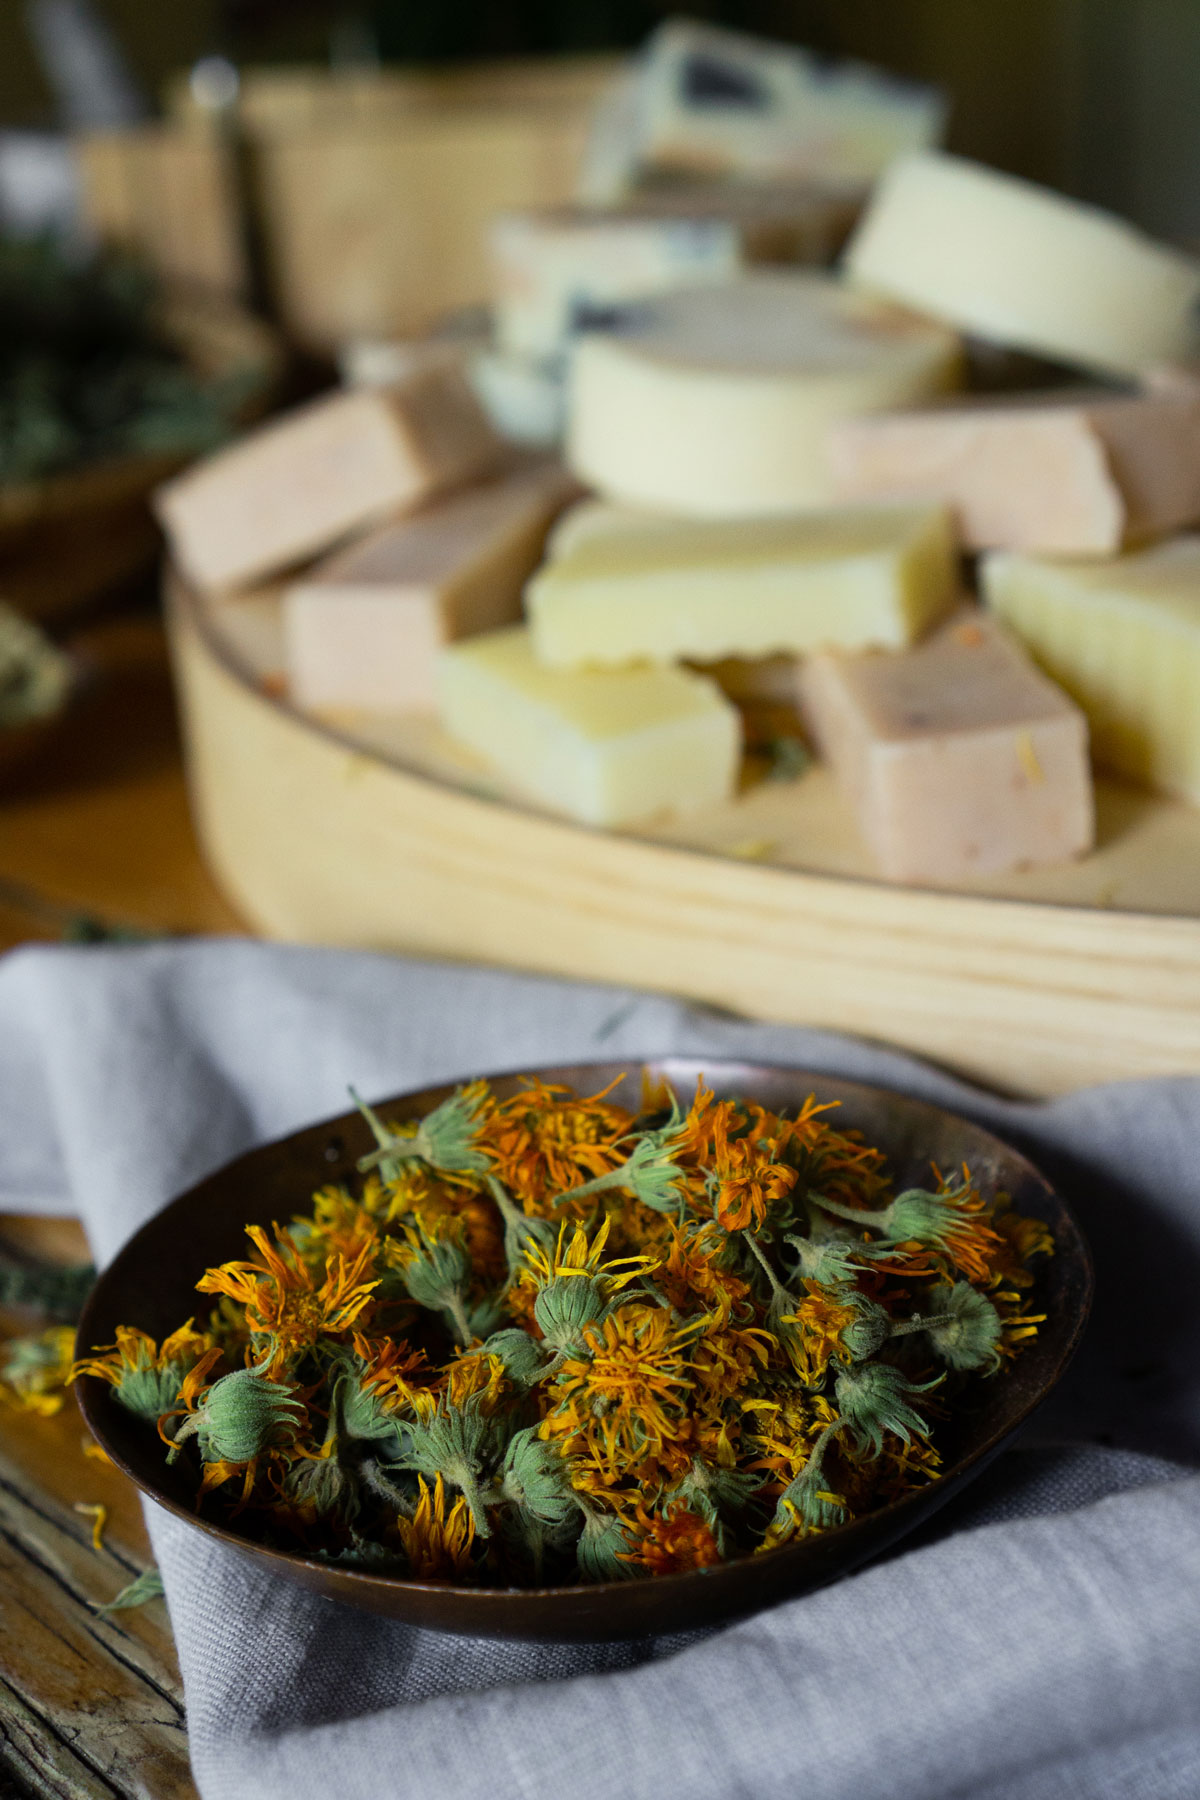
x=151, y=1284
x=374, y=832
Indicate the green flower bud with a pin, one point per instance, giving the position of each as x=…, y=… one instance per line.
x=522, y=1355
x=564, y=1306
x=964, y=1328
x=869, y=1330
x=715, y=1494
x=463, y=1445
x=436, y=1275
x=805, y=1504
x=444, y=1139
x=357, y=1414
x=534, y=1478
x=650, y=1172
x=322, y=1483
x=602, y=1544
x=242, y=1415
x=522, y=1231
x=872, y=1398
x=832, y=1262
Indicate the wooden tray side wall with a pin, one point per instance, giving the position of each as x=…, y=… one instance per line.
x=316, y=841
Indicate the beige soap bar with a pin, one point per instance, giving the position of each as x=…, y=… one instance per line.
x=1052, y=472
x=745, y=588
x=365, y=627
x=1017, y=264
x=1123, y=638
x=296, y=486
x=606, y=747
x=959, y=757
x=717, y=401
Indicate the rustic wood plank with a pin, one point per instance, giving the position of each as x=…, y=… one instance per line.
x=88, y=1705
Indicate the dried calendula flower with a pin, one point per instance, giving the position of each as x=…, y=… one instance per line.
x=554, y=1340
x=146, y=1377
x=35, y=1370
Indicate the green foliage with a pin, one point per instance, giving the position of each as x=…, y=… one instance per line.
x=86, y=371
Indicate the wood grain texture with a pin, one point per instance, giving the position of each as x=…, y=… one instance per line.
x=89, y=1705
x=316, y=839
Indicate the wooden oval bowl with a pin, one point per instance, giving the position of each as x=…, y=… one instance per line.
x=151, y=1284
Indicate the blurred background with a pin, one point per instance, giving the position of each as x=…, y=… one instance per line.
x=1095, y=96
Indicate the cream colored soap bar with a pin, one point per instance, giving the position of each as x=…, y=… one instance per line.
x=589, y=519
x=719, y=400
x=745, y=588
x=365, y=627
x=1123, y=638
x=296, y=486
x=555, y=273
x=605, y=746
x=1017, y=264
x=959, y=757
x=1051, y=472
x=722, y=101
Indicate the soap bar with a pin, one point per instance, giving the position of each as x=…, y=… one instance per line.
x=248, y=627
x=606, y=747
x=294, y=487
x=1051, y=472
x=525, y=400
x=719, y=400
x=588, y=519
x=1020, y=265
x=722, y=102
x=959, y=757
x=365, y=627
x=556, y=273
x=1123, y=638
x=747, y=588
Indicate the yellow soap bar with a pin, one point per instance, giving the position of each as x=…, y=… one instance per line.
x=606, y=747
x=850, y=577
x=1123, y=638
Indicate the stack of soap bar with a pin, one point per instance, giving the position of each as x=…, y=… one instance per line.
x=364, y=628
x=1123, y=638
x=294, y=487
x=745, y=588
x=718, y=101
x=606, y=747
x=960, y=758
x=1015, y=263
x=719, y=400
x=1054, y=472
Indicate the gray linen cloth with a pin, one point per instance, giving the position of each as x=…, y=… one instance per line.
x=1041, y=1639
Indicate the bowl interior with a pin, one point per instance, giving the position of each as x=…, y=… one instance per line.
x=151, y=1284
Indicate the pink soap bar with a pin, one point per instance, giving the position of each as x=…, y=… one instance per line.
x=1069, y=473
x=364, y=628
x=298, y=485
x=960, y=757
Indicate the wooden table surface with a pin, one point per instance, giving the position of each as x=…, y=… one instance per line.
x=94, y=832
